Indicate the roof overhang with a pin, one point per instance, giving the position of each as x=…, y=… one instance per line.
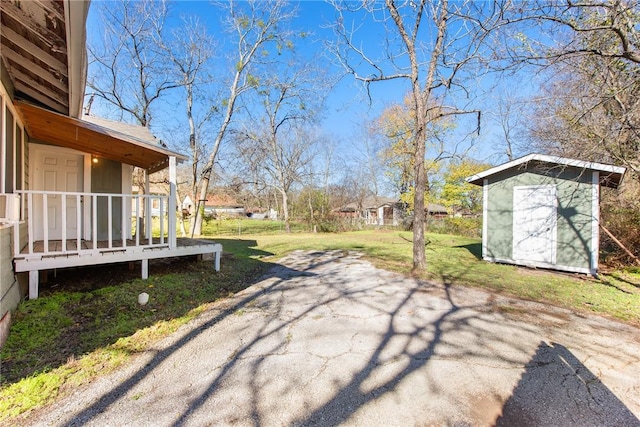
x=64, y=131
x=610, y=175
x=76, y=13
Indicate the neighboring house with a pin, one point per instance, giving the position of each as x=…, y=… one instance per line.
x=223, y=205
x=65, y=181
x=544, y=211
x=382, y=211
x=437, y=211
x=379, y=210
x=376, y=210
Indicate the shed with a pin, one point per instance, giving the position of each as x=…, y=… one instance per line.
x=544, y=211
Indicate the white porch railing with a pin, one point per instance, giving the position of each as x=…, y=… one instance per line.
x=61, y=223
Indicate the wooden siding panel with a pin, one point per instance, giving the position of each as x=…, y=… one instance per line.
x=9, y=289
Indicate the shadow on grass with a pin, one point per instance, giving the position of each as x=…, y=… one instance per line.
x=86, y=308
x=474, y=248
x=607, y=281
x=619, y=277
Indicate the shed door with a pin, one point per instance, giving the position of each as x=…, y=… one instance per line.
x=534, y=224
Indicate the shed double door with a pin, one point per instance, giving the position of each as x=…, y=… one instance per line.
x=535, y=224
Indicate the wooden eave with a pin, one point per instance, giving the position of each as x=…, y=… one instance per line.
x=34, y=51
x=64, y=131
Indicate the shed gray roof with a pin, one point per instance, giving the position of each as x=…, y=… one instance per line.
x=611, y=175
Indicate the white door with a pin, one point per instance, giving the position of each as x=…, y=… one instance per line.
x=535, y=224
x=56, y=169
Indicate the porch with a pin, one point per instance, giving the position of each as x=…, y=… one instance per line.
x=72, y=229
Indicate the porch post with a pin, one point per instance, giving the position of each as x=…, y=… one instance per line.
x=147, y=206
x=33, y=284
x=172, y=203
x=145, y=269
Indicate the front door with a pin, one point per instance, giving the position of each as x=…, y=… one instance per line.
x=55, y=169
x=534, y=223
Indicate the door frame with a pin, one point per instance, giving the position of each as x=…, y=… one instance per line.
x=85, y=171
x=554, y=223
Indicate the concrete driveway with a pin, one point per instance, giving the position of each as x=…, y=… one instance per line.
x=326, y=339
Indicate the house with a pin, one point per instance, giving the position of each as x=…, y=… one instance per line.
x=544, y=211
x=223, y=205
x=379, y=210
x=376, y=210
x=65, y=180
x=436, y=211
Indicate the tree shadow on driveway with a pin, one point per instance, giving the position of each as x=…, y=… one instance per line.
x=280, y=273
x=553, y=378
x=326, y=339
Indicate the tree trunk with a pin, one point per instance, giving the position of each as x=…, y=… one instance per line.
x=285, y=211
x=196, y=229
x=419, y=257
x=183, y=231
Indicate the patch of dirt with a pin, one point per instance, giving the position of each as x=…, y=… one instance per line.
x=90, y=278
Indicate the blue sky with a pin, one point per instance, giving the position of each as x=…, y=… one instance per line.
x=347, y=106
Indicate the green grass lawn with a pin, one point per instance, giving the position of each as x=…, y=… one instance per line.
x=457, y=260
x=96, y=330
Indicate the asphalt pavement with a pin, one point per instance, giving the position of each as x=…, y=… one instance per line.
x=327, y=339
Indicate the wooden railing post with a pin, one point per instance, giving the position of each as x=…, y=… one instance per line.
x=171, y=215
x=85, y=215
x=147, y=207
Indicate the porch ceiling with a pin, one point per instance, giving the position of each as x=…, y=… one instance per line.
x=99, y=141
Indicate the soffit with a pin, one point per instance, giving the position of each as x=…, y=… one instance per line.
x=34, y=50
x=64, y=131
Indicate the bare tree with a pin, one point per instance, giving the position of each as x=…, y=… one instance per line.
x=590, y=105
x=511, y=116
x=279, y=160
x=127, y=70
x=430, y=45
x=606, y=29
x=277, y=145
x=189, y=52
x=254, y=25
